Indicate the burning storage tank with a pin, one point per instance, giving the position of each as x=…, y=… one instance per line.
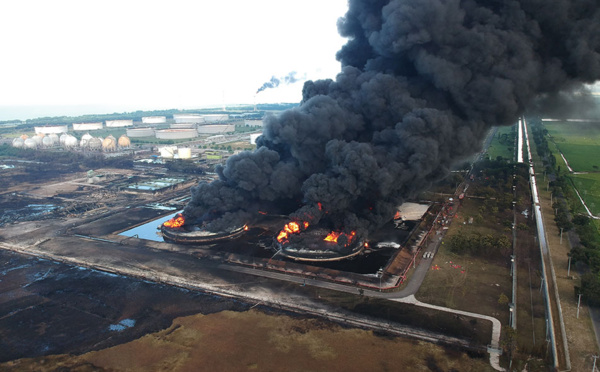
x=48, y=129
x=177, y=231
x=18, y=142
x=302, y=242
x=176, y=133
x=109, y=143
x=124, y=141
x=140, y=132
x=154, y=119
x=119, y=123
x=87, y=126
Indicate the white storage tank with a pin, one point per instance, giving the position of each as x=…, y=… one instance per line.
x=54, y=138
x=24, y=137
x=154, y=119
x=47, y=142
x=188, y=118
x=140, y=132
x=70, y=141
x=63, y=138
x=167, y=152
x=29, y=143
x=118, y=123
x=184, y=153
x=48, y=129
x=216, y=128
x=18, y=142
x=176, y=133
x=215, y=118
x=37, y=140
x=85, y=140
x=253, y=138
x=87, y=126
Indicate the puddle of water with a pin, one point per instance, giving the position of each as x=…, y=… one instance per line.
x=150, y=229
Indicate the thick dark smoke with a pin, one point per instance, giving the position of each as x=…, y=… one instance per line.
x=274, y=82
x=422, y=82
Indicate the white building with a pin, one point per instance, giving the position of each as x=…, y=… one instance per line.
x=48, y=129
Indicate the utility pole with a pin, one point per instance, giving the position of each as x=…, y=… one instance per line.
x=561, y=230
x=578, y=303
x=569, y=268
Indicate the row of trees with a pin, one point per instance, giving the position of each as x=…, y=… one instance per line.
x=585, y=254
x=476, y=244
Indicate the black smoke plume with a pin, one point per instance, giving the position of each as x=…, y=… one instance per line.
x=422, y=82
x=274, y=82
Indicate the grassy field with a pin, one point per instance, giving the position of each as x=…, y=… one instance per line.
x=579, y=142
x=503, y=143
x=252, y=340
x=589, y=189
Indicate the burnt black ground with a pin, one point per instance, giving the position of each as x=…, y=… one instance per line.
x=50, y=308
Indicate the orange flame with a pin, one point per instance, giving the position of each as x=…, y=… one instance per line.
x=397, y=216
x=333, y=236
x=245, y=227
x=320, y=206
x=263, y=213
x=290, y=228
x=175, y=222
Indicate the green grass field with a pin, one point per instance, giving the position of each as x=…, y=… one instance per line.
x=589, y=189
x=579, y=142
x=503, y=143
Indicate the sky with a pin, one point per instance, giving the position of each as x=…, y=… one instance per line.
x=141, y=54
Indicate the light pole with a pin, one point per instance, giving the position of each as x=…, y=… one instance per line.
x=561, y=230
x=578, y=303
x=569, y=268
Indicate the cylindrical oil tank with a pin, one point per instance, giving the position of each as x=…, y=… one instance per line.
x=176, y=133
x=109, y=144
x=154, y=119
x=63, y=138
x=215, y=118
x=37, y=140
x=182, y=125
x=87, y=126
x=118, y=123
x=95, y=143
x=24, y=137
x=124, y=141
x=18, y=142
x=184, y=153
x=29, y=143
x=216, y=128
x=47, y=129
x=140, y=132
x=167, y=151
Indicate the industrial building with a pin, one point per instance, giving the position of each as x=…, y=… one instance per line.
x=154, y=119
x=119, y=123
x=176, y=133
x=48, y=129
x=87, y=126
